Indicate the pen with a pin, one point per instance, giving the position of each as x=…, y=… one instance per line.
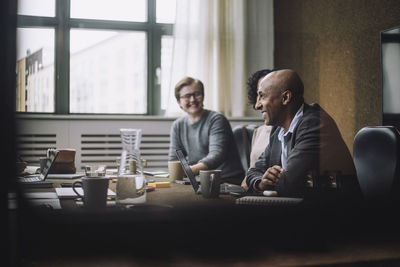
x=182, y=182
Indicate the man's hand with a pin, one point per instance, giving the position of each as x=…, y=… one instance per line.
x=270, y=178
x=197, y=167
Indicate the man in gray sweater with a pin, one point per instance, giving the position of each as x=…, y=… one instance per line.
x=205, y=136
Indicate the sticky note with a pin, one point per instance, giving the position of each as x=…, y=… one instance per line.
x=159, y=184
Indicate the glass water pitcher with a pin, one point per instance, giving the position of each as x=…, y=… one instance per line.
x=131, y=183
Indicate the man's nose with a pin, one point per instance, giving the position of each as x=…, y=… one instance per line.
x=257, y=106
x=192, y=97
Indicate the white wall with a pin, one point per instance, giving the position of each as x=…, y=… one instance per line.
x=96, y=138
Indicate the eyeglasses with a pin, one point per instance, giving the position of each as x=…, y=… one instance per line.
x=196, y=95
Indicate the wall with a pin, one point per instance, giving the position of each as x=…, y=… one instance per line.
x=259, y=42
x=335, y=47
x=96, y=138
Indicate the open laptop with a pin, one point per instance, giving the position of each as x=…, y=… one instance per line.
x=39, y=179
x=187, y=170
x=224, y=188
x=263, y=200
x=66, y=176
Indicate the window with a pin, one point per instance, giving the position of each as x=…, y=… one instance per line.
x=94, y=56
x=35, y=69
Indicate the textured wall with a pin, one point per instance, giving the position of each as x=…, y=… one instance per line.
x=335, y=47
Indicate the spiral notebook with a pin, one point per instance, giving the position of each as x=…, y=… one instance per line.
x=268, y=201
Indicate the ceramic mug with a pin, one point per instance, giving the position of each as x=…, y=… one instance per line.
x=210, y=181
x=94, y=192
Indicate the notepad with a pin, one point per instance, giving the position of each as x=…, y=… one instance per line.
x=160, y=184
x=268, y=201
x=67, y=192
x=161, y=175
x=156, y=172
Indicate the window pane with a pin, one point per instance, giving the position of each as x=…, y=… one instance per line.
x=165, y=11
x=35, y=70
x=45, y=8
x=124, y=10
x=166, y=59
x=108, y=72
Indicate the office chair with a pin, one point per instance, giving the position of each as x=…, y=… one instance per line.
x=377, y=162
x=243, y=135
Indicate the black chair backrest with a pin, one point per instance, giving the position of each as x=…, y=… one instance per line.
x=376, y=158
x=243, y=135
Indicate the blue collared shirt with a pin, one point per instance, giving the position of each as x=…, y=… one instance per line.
x=282, y=135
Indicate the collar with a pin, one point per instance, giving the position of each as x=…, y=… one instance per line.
x=292, y=125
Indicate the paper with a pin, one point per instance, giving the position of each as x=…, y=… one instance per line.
x=54, y=203
x=111, y=171
x=32, y=169
x=67, y=192
x=40, y=195
x=164, y=175
x=159, y=172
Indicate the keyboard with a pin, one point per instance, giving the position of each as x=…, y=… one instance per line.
x=30, y=179
x=34, y=181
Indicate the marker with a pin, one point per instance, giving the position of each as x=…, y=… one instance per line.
x=150, y=188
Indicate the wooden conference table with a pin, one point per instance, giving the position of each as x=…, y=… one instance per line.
x=322, y=240
x=176, y=195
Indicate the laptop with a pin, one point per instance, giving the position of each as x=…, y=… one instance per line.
x=39, y=179
x=188, y=171
x=263, y=200
x=224, y=188
x=67, y=176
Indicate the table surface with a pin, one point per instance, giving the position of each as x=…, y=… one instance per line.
x=372, y=251
x=175, y=195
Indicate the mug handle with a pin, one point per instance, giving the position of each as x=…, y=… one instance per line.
x=73, y=188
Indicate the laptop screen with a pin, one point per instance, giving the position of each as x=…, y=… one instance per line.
x=186, y=168
x=49, y=164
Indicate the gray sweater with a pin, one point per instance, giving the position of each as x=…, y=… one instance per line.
x=209, y=141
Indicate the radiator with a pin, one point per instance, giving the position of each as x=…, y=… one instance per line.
x=30, y=147
x=104, y=148
x=95, y=138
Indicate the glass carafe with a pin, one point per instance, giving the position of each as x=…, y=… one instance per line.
x=131, y=183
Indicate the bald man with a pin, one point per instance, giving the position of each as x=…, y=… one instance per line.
x=304, y=140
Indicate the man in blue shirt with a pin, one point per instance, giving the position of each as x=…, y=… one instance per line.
x=304, y=139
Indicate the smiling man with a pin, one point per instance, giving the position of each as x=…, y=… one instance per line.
x=205, y=136
x=304, y=139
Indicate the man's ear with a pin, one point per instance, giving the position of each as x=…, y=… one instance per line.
x=287, y=97
x=179, y=103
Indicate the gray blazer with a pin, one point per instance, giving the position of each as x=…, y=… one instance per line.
x=316, y=145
